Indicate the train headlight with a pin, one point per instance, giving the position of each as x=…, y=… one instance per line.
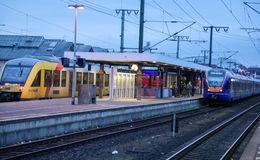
x=220, y=90
x=208, y=90
x=21, y=89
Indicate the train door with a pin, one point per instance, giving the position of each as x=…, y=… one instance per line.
x=47, y=83
x=78, y=82
x=70, y=83
x=41, y=90
x=64, y=84
x=34, y=90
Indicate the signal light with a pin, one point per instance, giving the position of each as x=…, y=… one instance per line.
x=89, y=67
x=81, y=62
x=65, y=62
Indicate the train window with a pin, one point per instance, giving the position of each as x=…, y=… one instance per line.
x=244, y=86
x=227, y=85
x=85, y=78
x=234, y=86
x=16, y=74
x=78, y=79
x=63, y=78
x=97, y=79
x=241, y=86
x=106, y=80
x=56, y=82
x=47, y=78
x=37, y=80
x=91, y=78
x=216, y=77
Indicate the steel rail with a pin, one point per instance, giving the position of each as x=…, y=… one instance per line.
x=207, y=135
x=227, y=155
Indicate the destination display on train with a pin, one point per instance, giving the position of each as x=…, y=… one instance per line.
x=217, y=73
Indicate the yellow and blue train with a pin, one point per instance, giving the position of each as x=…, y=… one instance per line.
x=222, y=85
x=30, y=78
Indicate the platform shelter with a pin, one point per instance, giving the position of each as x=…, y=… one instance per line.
x=156, y=75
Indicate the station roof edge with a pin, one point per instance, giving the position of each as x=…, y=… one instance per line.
x=151, y=58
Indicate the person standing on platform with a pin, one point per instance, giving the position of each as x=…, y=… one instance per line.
x=174, y=94
x=189, y=89
x=183, y=90
x=193, y=90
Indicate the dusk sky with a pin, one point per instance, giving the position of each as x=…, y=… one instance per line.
x=99, y=25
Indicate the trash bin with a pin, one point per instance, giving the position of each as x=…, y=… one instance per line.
x=87, y=94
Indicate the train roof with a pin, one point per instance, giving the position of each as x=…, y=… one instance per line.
x=125, y=58
x=45, y=58
x=243, y=77
x=238, y=76
x=23, y=61
x=27, y=61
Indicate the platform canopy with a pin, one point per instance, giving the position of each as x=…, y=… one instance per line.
x=145, y=59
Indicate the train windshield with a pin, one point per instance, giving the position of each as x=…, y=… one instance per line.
x=215, y=78
x=15, y=74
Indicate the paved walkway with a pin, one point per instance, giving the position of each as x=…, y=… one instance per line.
x=252, y=151
x=37, y=108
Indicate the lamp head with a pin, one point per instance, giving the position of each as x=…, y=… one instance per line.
x=76, y=6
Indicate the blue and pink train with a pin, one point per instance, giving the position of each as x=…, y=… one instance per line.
x=223, y=85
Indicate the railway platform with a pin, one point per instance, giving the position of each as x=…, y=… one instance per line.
x=252, y=150
x=25, y=121
x=39, y=108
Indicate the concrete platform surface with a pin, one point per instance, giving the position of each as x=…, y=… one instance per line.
x=252, y=151
x=39, y=108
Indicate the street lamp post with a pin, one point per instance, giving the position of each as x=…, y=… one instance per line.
x=75, y=7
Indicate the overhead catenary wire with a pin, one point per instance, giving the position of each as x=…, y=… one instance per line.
x=204, y=19
x=184, y=11
x=200, y=15
x=171, y=15
x=240, y=24
x=197, y=12
x=174, y=17
x=115, y=16
x=64, y=28
x=159, y=7
x=179, y=6
x=177, y=19
x=136, y=24
x=247, y=3
x=21, y=31
x=149, y=28
x=250, y=21
x=9, y=31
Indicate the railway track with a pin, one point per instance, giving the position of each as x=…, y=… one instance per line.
x=60, y=142
x=230, y=133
